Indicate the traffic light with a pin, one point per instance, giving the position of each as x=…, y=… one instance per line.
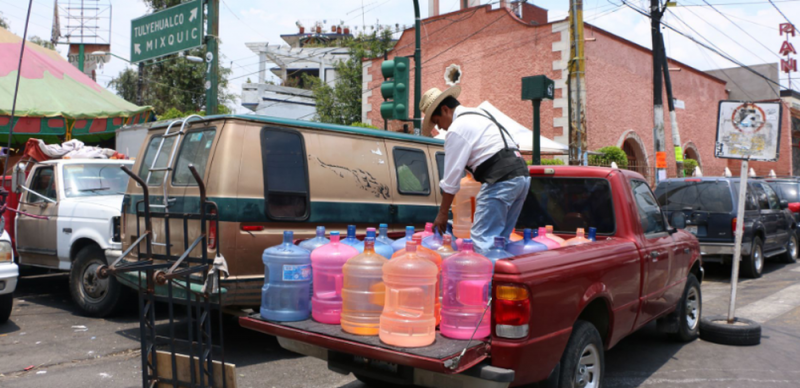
x=395, y=89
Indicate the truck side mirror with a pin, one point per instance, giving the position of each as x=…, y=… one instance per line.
x=18, y=177
x=784, y=204
x=678, y=220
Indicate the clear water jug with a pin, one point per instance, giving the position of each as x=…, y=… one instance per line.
x=351, y=239
x=578, y=239
x=526, y=245
x=407, y=319
x=326, y=264
x=287, y=278
x=464, y=206
x=466, y=276
x=498, y=250
x=541, y=238
x=427, y=232
x=363, y=293
x=550, y=235
x=400, y=243
x=316, y=242
x=448, y=247
x=434, y=241
x=382, y=249
x=434, y=258
x=383, y=235
x=592, y=234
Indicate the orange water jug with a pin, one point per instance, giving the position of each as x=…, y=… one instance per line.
x=407, y=319
x=434, y=258
x=514, y=236
x=578, y=239
x=550, y=235
x=363, y=291
x=446, y=250
x=464, y=206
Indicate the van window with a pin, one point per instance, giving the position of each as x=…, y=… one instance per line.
x=285, y=174
x=157, y=176
x=568, y=204
x=440, y=164
x=412, y=171
x=195, y=150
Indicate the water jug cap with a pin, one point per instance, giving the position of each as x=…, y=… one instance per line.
x=370, y=232
x=580, y=232
x=429, y=226
x=499, y=242
x=320, y=231
x=535, y=233
x=334, y=236
x=466, y=244
x=351, y=231
x=592, y=229
x=288, y=236
x=527, y=234
x=417, y=239
x=411, y=246
x=383, y=225
x=542, y=231
x=447, y=239
x=369, y=243
x=549, y=228
x=409, y=230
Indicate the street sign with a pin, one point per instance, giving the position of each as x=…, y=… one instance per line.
x=748, y=130
x=167, y=32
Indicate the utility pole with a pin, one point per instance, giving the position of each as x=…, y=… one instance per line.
x=658, y=104
x=673, y=119
x=417, y=72
x=212, y=57
x=140, y=85
x=577, y=70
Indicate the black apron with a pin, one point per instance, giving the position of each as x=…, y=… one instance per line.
x=502, y=166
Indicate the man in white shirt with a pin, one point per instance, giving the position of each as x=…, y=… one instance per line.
x=477, y=143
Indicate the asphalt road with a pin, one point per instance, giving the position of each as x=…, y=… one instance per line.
x=64, y=349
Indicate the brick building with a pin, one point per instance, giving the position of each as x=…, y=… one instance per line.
x=487, y=51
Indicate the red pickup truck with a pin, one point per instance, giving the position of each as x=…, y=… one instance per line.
x=553, y=313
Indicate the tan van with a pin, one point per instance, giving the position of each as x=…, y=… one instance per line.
x=267, y=175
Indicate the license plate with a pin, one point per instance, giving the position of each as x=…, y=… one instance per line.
x=691, y=229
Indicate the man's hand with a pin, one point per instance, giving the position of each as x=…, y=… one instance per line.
x=440, y=223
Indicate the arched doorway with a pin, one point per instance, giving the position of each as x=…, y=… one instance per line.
x=690, y=152
x=634, y=149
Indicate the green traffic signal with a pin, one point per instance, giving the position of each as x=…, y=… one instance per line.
x=395, y=89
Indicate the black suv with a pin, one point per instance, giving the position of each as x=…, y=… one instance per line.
x=708, y=206
x=788, y=188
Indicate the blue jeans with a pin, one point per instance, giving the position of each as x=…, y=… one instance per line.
x=497, y=209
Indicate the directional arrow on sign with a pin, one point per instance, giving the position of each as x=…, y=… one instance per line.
x=137, y=49
x=193, y=14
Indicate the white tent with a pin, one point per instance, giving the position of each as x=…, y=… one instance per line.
x=521, y=134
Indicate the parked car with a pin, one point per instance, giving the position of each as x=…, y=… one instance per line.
x=267, y=175
x=77, y=203
x=788, y=188
x=709, y=206
x=9, y=272
x=553, y=313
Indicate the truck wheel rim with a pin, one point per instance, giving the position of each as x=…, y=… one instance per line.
x=692, y=308
x=793, y=246
x=94, y=289
x=757, y=261
x=587, y=374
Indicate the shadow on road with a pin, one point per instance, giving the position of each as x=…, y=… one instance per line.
x=722, y=272
x=639, y=356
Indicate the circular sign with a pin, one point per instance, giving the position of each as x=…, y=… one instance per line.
x=748, y=118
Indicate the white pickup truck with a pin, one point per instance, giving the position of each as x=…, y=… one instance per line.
x=76, y=204
x=9, y=272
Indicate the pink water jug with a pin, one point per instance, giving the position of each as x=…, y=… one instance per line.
x=542, y=238
x=578, y=239
x=427, y=232
x=550, y=235
x=407, y=319
x=326, y=267
x=466, y=277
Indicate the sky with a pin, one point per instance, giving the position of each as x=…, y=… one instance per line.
x=746, y=30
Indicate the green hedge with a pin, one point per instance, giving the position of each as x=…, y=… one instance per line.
x=548, y=162
x=688, y=166
x=609, y=154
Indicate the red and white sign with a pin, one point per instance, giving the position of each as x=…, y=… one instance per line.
x=789, y=64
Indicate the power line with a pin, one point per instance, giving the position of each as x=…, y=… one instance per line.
x=739, y=27
x=240, y=20
x=781, y=12
x=741, y=3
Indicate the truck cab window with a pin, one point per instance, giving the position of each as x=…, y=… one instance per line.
x=649, y=212
x=285, y=174
x=412, y=171
x=152, y=147
x=44, y=183
x=569, y=204
x=195, y=150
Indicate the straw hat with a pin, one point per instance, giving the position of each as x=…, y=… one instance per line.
x=431, y=100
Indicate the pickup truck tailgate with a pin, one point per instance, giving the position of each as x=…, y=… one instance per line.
x=440, y=357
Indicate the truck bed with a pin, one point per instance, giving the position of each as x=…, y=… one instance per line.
x=438, y=357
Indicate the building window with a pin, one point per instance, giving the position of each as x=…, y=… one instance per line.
x=452, y=75
x=412, y=171
x=195, y=150
x=285, y=174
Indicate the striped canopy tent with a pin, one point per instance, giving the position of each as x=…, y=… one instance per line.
x=56, y=101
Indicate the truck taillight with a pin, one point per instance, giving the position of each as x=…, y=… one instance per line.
x=733, y=226
x=512, y=311
x=212, y=232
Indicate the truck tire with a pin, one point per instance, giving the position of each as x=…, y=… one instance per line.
x=791, y=249
x=752, y=266
x=689, y=310
x=583, y=361
x=6, y=305
x=743, y=332
x=96, y=297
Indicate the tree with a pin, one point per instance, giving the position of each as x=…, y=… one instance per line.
x=41, y=42
x=175, y=82
x=609, y=154
x=4, y=22
x=340, y=103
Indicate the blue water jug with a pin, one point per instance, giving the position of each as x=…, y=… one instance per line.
x=434, y=241
x=316, y=242
x=383, y=235
x=351, y=239
x=593, y=234
x=498, y=251
x=526, y=245
x=287, y=279
x=380, y=248
x=400, y=243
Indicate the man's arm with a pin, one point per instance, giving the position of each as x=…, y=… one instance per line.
x=456, y=155
x=444, y=211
